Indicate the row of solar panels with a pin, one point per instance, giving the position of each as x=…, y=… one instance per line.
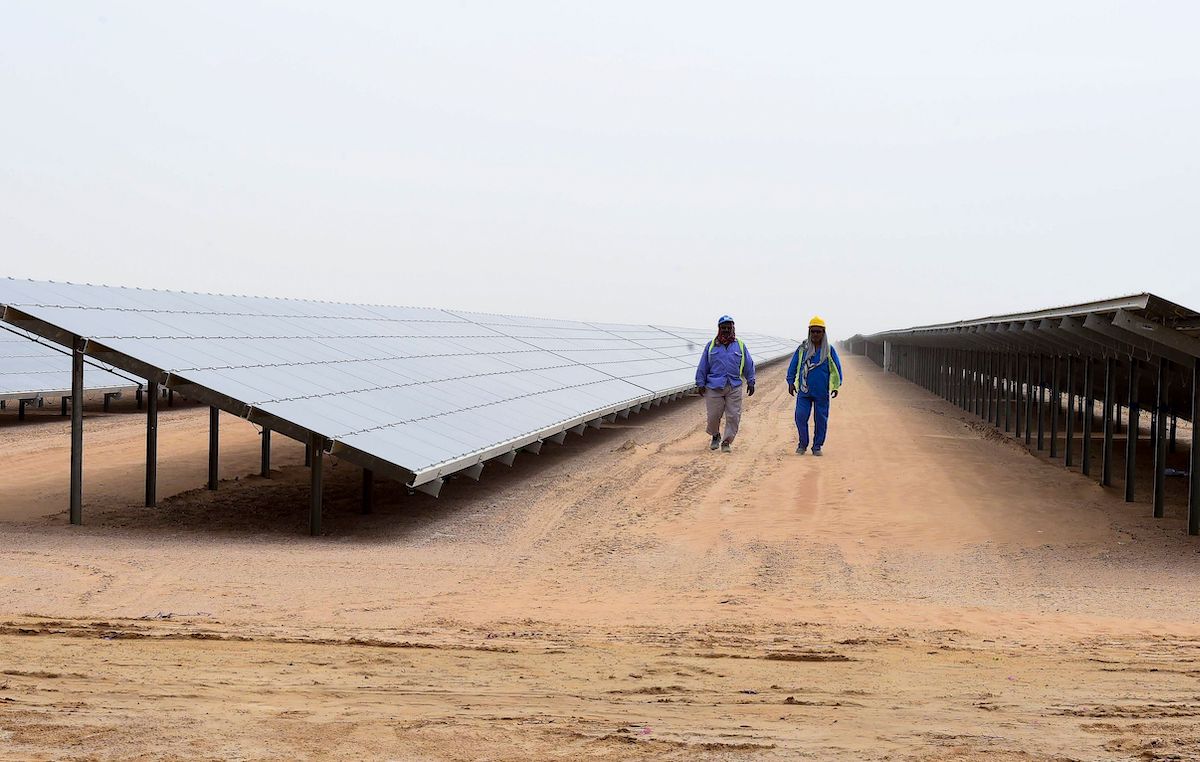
x=31, y=368
x=429, y=391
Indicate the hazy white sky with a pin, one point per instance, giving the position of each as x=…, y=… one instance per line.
x=883, y=164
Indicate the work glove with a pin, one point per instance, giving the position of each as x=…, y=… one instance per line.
x=792, y=389
x=833, y=393
x=749, y=390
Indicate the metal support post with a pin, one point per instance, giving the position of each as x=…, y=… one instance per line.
x=152, y=446
x=1041, y=403
x=944, y=381
x=1110, y=399
x=77, y=430
x=1068, y=451
x=976, y=383
x=264, y=466
x=214, y=418
x=949, y=385
x=1008, y=391
x=1193, y=519
x=965, y=388
x=987, y=387
x=958, y=377
x=1160, y=439
x=1001, y=388
x=1017, y=398
x=1055, y=402
x=997, y=374
x=1028, y=400
x=1088, y=408
x=316, y=445
x=1131, y=434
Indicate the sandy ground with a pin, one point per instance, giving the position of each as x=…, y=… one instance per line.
x=926, y=591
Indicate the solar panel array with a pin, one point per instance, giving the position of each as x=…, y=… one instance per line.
x=31, y=368
x=432, y=391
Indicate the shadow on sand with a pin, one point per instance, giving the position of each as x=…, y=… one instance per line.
x=277, y=508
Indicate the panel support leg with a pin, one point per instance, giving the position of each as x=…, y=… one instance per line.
x=264, y=466
x=1055, y=403
x=1068, y=448
x=999, y=397
x=1110, y=401
x=987, y=387
x=152, y=445
x=1193, y=519
x=1131, y=433
x=1017, y=398
x=77, y=431
x=1007, y=392
x=1028, y=400
x=316, y=446
x=214, y=422
x=1088, y=407
x=1160, y=439
x=1041, y=403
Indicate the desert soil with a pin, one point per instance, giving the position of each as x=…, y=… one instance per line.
x=928, y=590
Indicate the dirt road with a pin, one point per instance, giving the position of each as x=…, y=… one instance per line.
x=924, y=591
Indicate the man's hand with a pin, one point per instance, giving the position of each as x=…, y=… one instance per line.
x=749, y=390
x=700, y=390
x=792, y=389
x=833, y=393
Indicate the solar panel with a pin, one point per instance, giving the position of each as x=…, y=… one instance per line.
x=429, y=391
x=31, y=368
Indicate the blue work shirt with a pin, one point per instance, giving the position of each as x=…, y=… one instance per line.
x=721, y=365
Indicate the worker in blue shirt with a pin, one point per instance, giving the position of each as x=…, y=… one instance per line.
x=724, y=365
x=814, y=376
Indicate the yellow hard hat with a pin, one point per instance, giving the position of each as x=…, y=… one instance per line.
x=816, y=321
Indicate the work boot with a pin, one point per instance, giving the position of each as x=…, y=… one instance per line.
x=817, y=451
x=801, y=449
x=726, y=446
x=716, y=442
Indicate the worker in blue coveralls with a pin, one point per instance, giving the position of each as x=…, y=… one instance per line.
x=813, y=377
x=724, y=365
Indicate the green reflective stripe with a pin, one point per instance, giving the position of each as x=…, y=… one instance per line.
x=835, y=378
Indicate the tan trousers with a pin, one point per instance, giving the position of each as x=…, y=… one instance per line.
x=727, y=402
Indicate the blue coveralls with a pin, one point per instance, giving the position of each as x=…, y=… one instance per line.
x=816, y=400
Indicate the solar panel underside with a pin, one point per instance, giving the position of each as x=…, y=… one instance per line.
x=431, y=391
x=29, y=369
